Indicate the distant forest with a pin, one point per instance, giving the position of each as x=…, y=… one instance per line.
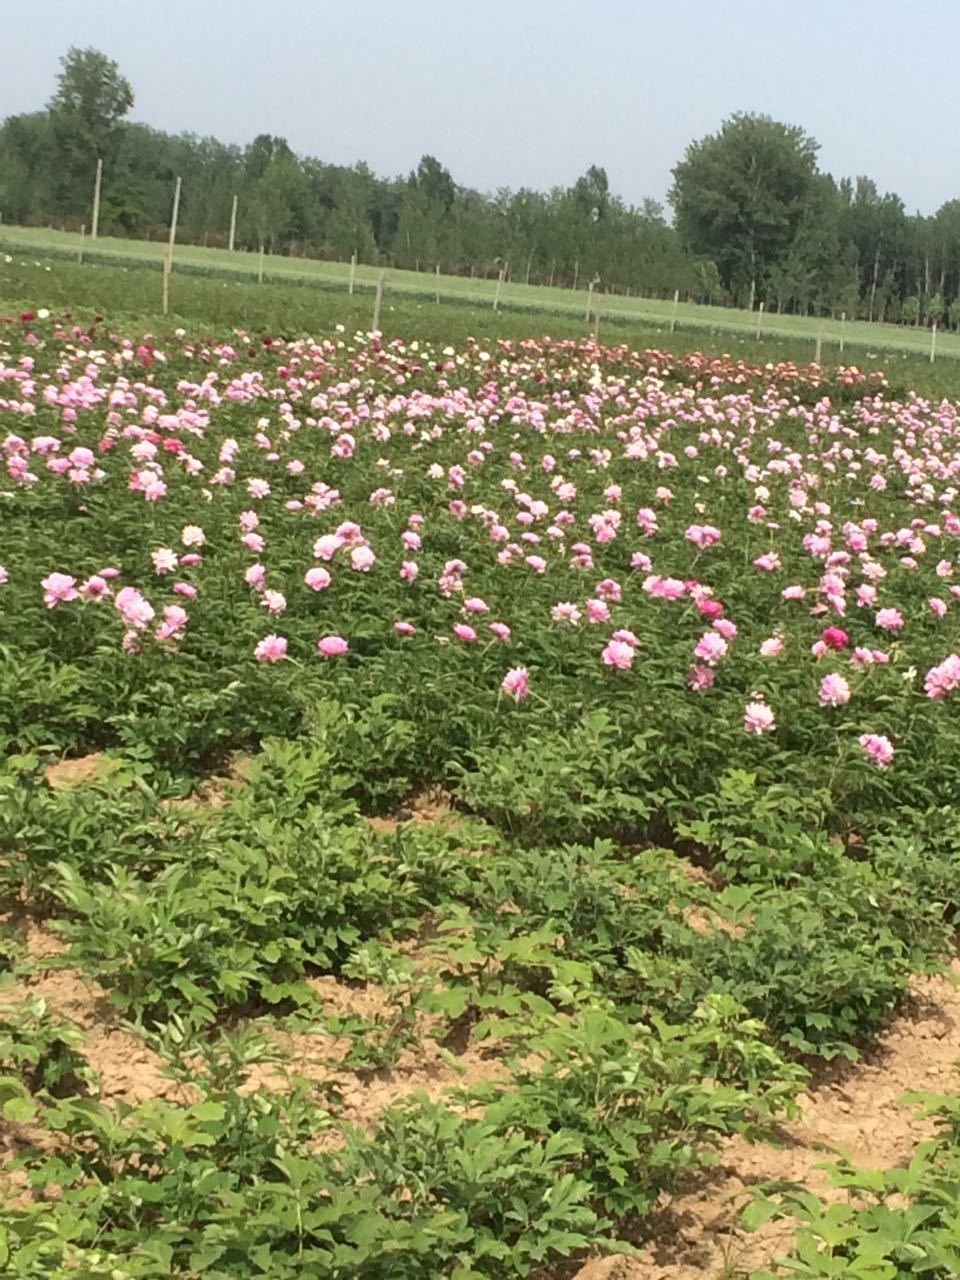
x=754, y=219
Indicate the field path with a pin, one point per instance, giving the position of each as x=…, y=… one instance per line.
x=855, y=1110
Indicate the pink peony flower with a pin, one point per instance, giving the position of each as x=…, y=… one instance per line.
x=332, y=646
x=501, y=631
x=59, y=588
x=758, y=718
x=937, y=606
x=362, y=559
x=772, y=647
x=409, y=570
x=274, y=601
x=710, y=648
x=133, y=608
x=889, y=619
x=618, y=654
x=835, y=638
x=834, y=691
x=700, y=678
x=475, y=605
x=185, y=589
x=464, y=632
x=95, y=588
x=944, y=678
x=326, y=547
x=516, y=683
x=164, y=560
x=191, y=535
x=703, y=535
x=626, y=637
x=255, y=577
x=404, y=628
x=598, y=611
x=271, y=649
x=566, y=612
x=878, y=747
x=317, y=578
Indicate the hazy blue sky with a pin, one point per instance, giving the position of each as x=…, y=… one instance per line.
x=529, y=92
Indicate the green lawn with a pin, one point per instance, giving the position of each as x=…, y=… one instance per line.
x=652, y=311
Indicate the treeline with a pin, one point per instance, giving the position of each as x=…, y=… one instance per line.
x=755, y=221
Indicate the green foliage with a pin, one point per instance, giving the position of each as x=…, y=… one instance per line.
x=486, y=1186
x=897, y=1222
x=41, y=1050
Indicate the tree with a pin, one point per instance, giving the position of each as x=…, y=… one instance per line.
x=86, y=116
x=739, y=195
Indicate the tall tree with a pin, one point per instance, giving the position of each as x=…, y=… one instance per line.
x=86, y=115
x=739, y=196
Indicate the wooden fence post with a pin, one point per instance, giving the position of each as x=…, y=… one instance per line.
x=233, y=225
x=377, y=301
x=95, y=220
x=168, y=260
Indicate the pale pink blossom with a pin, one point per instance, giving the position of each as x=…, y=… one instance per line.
x=700, y=678
x=834, y=690
x=362, y=559
x=758, y=718
x=943, y=679
x=878, y=747
x=317, y=578
x=271, y=648
x=772, y=647
x=255, y=577
x=133, y=608
x=274, y=601
x=710, y=648
x=95, y=588
x=618, y=654
x=164, y=560
x=326, y=547
x=332, y=646
x=566, y=612
x=516, y=683
x=59, y=588
x=889, y=619
x=769, y=562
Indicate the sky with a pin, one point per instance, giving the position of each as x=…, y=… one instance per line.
x=513, y=93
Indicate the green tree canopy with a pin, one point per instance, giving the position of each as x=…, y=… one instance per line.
x=739, y=196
